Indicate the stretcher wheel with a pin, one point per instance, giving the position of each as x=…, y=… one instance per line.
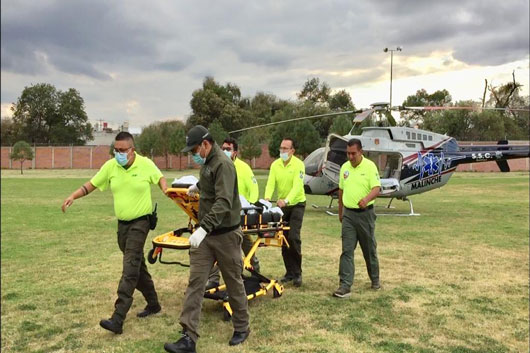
x=226, y=315
x=276, y=293
x=150, y=258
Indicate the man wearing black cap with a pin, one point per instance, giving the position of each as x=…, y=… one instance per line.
x=218, y=238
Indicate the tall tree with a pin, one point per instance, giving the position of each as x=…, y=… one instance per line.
x=341, y=101
x=177, y=143
x=422, y=99
x=21, y=151
x=217, y=132
x=156, y=139
x=315, y=91
x=148, y=143
x=304, y=134
x=249, y=145
x=341, y=125
x=222, y=103
x=42, y=114
x=8, y=132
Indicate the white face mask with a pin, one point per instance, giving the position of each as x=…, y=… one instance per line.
x=228, y=154
x=284, y=156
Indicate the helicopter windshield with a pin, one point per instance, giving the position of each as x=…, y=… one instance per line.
x=313, y=162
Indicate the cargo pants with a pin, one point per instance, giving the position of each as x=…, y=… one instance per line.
x=358, y=227
x=131, y=240
x=224, y=248
x=248, y=242
x=292, y=255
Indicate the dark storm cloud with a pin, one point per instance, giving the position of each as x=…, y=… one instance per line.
x=480, y=32
x=78, y=36
x=135, y=50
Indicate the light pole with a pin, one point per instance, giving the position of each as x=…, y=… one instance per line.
x=391, y=62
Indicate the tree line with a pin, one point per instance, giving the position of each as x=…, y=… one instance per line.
x=45, y=115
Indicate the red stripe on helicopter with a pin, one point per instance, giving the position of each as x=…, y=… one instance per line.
x=413, y=157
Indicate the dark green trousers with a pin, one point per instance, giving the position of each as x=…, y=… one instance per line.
x=292, y=255
x=358, y=227
x=131, y=240
x=226, y=250
x=248, y=242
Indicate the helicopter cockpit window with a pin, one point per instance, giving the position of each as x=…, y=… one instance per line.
x=388, y=164
x=337, y=151
x=313, y=162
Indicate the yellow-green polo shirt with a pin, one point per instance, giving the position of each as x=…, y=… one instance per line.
x=130, y=187
x=357, y=182
x=246, y=182
x=288, y=180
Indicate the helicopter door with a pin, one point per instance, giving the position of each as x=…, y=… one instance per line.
x=389, y=166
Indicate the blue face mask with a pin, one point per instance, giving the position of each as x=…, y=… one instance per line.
x=197, y=157
x=228, y=154
x=284, y=156
x=121, y=158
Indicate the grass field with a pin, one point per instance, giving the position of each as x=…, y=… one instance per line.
x=454, y=279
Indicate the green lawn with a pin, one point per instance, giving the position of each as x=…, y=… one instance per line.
x=454, y=279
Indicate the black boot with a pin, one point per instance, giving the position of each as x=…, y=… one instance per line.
x=184, y=345
x=112, y=325
x=149, y=310
x=239, y=337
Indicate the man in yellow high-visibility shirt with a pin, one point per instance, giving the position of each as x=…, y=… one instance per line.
x=359, y=185
x=287, y=177
x=248, y=187
x=129, y=176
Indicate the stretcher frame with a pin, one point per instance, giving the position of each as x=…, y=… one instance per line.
x=269, y=234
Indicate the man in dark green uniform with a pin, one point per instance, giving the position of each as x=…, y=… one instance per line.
x=129, y=177
x=359, y=185
x=247, y=186
x=218, y=238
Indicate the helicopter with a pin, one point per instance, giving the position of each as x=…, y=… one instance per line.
x=410, y=160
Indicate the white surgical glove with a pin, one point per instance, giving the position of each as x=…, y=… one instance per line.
x=197, y=237
x=192, y=190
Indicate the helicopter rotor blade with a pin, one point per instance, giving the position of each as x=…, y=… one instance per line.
x=295, y=119
x=427, y=108
x=360, y=117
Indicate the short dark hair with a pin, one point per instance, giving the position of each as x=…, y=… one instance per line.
x=231, y=141
x=355, y=142
x=289, y=139
x=124, y=135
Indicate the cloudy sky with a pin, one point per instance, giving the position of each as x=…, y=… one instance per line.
x=140, y=61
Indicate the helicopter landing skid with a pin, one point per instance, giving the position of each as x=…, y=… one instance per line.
x=412, y=213
x=328, y=206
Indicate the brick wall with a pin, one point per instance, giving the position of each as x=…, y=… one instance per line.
x=93, y=157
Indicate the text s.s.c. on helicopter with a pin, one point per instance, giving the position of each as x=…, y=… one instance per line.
x=410, y=161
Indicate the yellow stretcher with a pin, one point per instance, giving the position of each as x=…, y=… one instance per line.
x=267, y=227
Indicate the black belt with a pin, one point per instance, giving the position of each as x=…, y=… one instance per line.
x=359, y=210
x=224, y=230
x=144, y=217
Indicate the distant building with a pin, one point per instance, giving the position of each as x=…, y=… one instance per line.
x=104, y=134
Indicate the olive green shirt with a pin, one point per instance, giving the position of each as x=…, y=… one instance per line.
x=219, y=204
